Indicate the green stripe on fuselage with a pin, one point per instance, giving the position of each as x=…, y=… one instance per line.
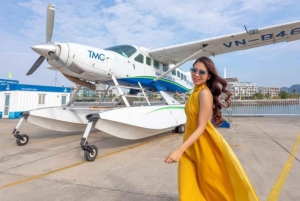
x=162, y=79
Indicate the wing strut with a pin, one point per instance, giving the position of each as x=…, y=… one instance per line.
x=179, y=64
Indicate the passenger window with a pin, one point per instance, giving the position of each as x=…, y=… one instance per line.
x=139, y=58
x=181, y=76
x=148, y=61
x=174, y=72
x=178, y=74
x=156, y=64
x=184, y=77
x=165, y=67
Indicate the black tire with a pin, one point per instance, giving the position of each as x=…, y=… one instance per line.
x=181, y=128
x=176, y=129
x=23, y=141
x=91, y=156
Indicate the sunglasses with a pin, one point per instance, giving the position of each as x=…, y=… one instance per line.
x=200, y=72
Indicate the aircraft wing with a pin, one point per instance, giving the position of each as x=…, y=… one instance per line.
x=229, y=43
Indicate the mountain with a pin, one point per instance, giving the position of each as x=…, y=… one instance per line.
x=286, y=89
x=291, y=89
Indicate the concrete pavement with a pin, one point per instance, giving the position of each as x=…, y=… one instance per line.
x=52, y=167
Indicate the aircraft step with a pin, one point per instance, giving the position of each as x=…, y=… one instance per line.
x=225, y=124
x=128, y=87
x=132, y=96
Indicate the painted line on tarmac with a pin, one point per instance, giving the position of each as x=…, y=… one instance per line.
x=79, y=163
x=43, y=140
x=275, y=192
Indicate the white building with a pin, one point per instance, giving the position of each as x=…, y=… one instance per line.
x=246, y=89
x=273, y=91
x=86, y=92
x=16, y=98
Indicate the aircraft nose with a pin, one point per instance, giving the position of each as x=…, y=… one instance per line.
x=44, y=49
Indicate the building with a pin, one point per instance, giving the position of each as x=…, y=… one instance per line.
x=16, y=98
x=86, y=92
x=272, y=91
x=239, y=89
x=100, y=91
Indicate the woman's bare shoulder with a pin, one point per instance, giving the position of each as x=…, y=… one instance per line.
x=205, y=92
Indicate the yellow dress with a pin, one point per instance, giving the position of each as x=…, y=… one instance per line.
x=209, y=170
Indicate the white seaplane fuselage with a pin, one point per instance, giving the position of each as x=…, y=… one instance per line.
x=129, y=65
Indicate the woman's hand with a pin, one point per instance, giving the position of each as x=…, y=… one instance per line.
x=174, y=157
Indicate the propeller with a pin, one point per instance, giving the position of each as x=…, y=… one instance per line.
x=50, y=22
x=35, y=66
x=43, y=50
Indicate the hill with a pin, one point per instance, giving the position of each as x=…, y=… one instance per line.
x=291, y=89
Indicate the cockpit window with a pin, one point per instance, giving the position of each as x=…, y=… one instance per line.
x=124, y=50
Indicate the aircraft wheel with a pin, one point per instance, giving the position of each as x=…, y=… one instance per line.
x=91, y=156
x=175, y=130
x=181, y=128
x=24, y=140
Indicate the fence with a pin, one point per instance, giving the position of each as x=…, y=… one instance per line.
x=282, y=107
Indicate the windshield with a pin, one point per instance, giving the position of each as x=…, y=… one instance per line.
x=124, y=50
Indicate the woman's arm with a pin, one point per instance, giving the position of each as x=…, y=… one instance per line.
x=206, y=104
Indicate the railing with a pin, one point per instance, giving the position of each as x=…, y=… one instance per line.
x=227, y=113
x=282, y=107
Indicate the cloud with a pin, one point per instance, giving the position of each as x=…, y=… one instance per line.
x=152, y=24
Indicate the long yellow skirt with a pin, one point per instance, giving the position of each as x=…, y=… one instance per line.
x=210, y=171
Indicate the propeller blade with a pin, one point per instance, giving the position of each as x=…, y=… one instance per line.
x=35, y=66
x=50, y=22
x=56, y=58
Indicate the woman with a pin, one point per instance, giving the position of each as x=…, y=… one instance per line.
x=208, y=169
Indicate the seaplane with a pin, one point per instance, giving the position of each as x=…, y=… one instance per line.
x=138, y=69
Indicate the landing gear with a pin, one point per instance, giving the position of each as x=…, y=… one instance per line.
x=179, y=129
x=91, y=154
x=90, y=151
x=21, y=139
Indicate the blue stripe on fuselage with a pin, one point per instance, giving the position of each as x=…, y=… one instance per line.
x=148, y=83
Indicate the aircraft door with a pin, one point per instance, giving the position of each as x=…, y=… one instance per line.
x=121, y=66
x=6, y=105
x=137, y=68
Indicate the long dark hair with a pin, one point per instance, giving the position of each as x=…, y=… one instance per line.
x=217, y=85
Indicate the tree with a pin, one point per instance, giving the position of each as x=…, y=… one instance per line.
x=295, y=92
x=150, y=96
x=110, y=96
x=267, y=96
x=155, y=96
x=276, y=97
x=257, y=95
x=284, y=95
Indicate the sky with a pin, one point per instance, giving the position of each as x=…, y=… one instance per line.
x=151, y=24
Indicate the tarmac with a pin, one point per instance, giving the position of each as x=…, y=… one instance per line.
x=52, y=167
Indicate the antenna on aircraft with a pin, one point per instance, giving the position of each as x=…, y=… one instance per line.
x=246, y=28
